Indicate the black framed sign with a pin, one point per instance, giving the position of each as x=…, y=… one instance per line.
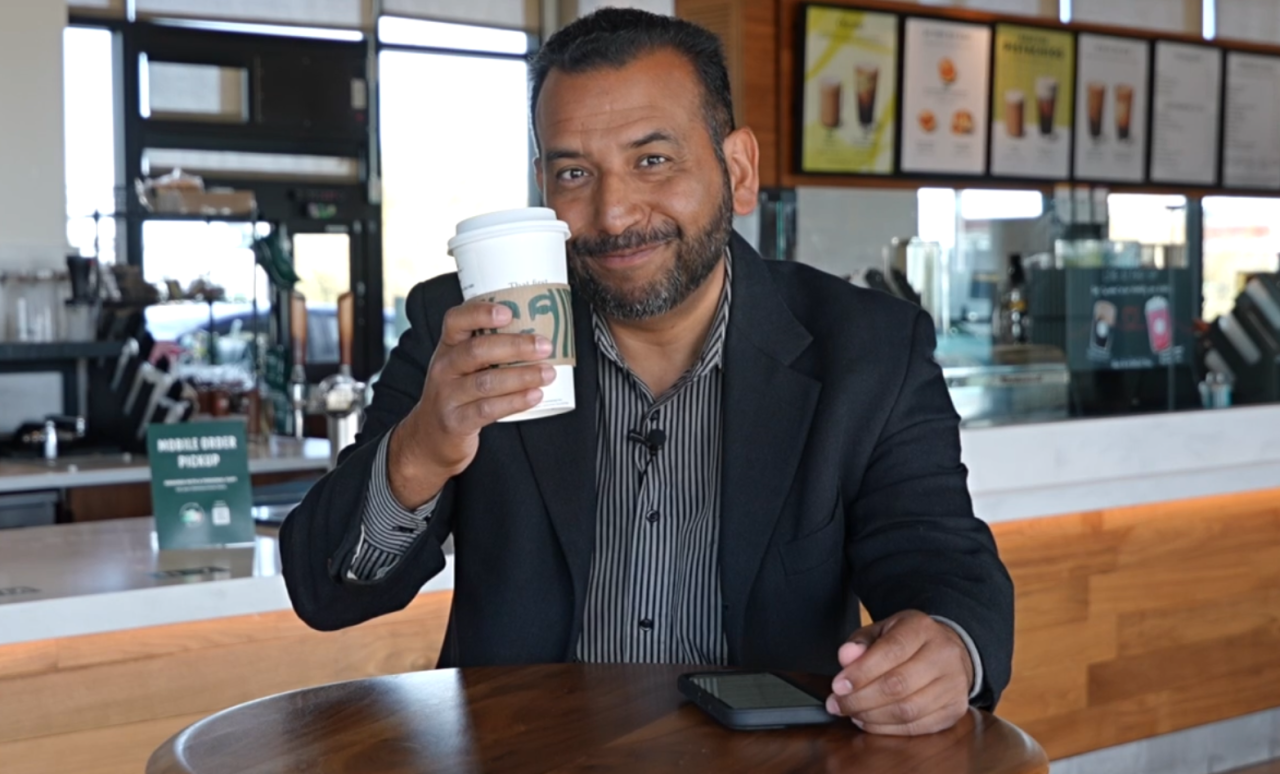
x=1112, y=85
x=1032, y=111
x=1185, y=113
x=1251, y=140
x=848, y=91
x=946, y=84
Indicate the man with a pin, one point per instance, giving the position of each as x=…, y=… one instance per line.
x=757, y=445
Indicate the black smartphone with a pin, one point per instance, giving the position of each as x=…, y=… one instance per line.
x=753, y=700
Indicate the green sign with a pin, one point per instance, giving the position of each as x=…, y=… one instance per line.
x=200, y=488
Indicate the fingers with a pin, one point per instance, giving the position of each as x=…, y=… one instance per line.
x=472, y=417
x=481, y=352
x=940, y=720
x=858, y=643
x=461, y=322
x=900, y=638
x=891, y=688
x=496, y=382
x=943, y=692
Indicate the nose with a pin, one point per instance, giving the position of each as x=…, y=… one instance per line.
x=616, y=207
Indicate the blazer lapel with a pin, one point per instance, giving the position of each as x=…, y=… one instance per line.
x=562, y=452
x=767, y=409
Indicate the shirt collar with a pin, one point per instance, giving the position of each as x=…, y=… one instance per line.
x=712, y=354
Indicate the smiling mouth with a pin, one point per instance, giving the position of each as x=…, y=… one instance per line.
x=630, y=256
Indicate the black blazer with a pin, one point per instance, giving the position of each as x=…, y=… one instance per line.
x=842, y=482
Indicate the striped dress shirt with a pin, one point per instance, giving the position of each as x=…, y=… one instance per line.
x=654, y=590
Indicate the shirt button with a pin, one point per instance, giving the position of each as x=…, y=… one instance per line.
x=652, y=517
x=646, y=624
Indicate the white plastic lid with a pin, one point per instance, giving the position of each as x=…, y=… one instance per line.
x=522, y=221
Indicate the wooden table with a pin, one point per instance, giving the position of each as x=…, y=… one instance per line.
x=562, y=718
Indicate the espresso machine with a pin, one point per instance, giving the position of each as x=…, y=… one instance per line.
x=342, y=397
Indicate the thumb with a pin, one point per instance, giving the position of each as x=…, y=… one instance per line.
x=858, y=643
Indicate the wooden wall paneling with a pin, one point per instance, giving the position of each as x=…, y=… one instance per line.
x=109, y=699
x=120, y=749
x=1148, y=630
x=28, y=658
x=759, y=84
x=749, y=31
x=1047, y=693
x=1141, y=621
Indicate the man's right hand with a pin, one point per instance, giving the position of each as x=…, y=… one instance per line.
x=464, y=393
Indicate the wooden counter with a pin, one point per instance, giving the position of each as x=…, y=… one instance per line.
x=1134, y=622
x=1131, y=622
x=108, y=646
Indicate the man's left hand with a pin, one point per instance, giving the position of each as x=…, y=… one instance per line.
x=907, y=675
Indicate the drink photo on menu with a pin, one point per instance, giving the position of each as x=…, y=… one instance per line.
x=849, y=105
x=1112, y=94
x=1032, y=120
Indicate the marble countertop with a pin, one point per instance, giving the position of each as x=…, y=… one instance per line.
x=274, y=455
x=1036, y=470
x=73, y=579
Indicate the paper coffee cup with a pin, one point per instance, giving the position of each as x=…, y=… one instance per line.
x=517, y=258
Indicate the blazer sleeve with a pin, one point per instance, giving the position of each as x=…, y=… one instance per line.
x=319, y=537
x=915, y=543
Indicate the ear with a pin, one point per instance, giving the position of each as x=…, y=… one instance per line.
x=537, y=174
x=742, y=157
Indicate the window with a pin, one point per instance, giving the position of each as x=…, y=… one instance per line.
x=90, y=140
x=455, y=143
x=323, y=263
x=1241, y=238
x=178, y=254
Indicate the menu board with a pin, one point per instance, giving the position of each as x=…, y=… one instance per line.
x=946, y=77
x=1031, y=109
x=850, y=94
x=1251, y=153
x=1111, y=108
x=1184, y=117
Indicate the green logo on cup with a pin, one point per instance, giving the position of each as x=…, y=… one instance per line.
x=545, y=310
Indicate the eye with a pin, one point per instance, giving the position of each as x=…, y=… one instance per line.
x=653, y=160
x=570, y=174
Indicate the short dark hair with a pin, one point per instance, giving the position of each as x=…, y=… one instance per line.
x=615, y=37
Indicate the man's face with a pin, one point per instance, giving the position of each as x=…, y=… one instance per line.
x=628, y=162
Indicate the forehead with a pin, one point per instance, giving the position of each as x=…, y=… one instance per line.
x=659, y=87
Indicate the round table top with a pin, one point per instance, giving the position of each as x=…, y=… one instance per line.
x=562, y=718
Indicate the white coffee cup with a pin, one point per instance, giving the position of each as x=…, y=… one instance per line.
x=512, y=249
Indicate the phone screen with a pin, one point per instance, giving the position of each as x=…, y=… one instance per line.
x=759, y=690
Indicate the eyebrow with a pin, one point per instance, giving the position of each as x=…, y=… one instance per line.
x=651, y=138
x=659, y=136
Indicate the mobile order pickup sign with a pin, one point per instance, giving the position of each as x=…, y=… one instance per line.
x=200, y=489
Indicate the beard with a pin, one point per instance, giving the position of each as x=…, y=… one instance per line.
x=697, y=255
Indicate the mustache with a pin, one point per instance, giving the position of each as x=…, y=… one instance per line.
x=597, y=245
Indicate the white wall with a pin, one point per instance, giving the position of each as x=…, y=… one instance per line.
x=1016, y=7
x=32, y=179
x=1162, y=15
x=664, y=7
x=1257, y=20
x=842, y=230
